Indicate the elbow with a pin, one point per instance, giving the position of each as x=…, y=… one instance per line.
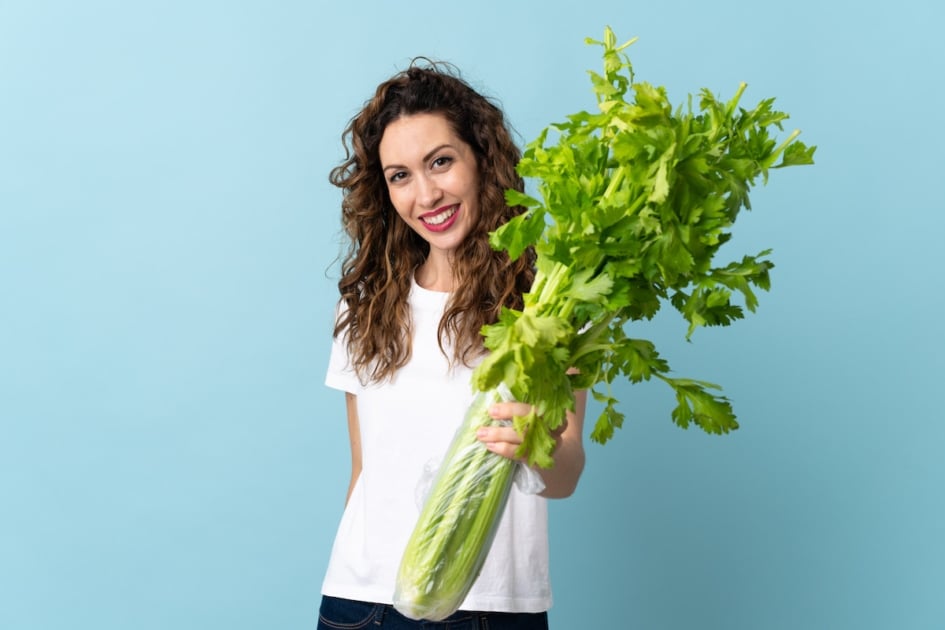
x=560, y=493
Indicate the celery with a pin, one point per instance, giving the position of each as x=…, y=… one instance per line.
x=455, y=529
x=636, y=200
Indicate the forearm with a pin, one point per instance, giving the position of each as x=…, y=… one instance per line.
x=354, y=437
x=562, y=478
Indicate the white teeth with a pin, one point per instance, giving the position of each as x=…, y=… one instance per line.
x=440, y=218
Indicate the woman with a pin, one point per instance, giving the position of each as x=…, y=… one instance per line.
x=428, y=161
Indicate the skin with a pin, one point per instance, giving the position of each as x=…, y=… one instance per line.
x=562, y=478
x=433, y=182
x=354, y=437
x=430, y=173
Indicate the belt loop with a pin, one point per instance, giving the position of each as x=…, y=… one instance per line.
x=379, y=614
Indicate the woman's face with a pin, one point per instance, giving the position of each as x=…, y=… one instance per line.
x=432, y=178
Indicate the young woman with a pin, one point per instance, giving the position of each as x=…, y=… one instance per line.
x=428, y=161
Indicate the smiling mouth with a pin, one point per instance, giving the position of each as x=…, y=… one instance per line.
x=441, y=217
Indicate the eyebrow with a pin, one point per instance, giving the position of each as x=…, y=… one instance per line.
x=426, y=158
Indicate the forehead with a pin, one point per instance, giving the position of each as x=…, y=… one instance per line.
x=411, y=137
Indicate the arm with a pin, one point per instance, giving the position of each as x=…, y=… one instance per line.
x=354, y=436
x=562, y=478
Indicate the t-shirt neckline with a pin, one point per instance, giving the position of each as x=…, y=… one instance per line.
x=422, y=297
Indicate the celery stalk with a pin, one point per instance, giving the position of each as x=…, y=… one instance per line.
x=457, y=524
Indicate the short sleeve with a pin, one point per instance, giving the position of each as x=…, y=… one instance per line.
x=341, y=374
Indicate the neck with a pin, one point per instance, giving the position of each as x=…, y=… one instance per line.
x=436, y=274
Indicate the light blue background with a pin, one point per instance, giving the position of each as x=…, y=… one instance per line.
x=169, y=457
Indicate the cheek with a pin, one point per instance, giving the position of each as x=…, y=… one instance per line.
x=398, y=200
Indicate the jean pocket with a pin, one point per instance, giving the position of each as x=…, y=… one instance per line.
x=346, y=614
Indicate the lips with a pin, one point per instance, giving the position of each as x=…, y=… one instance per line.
x=440, y=219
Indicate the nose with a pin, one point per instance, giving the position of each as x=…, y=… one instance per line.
x=428, y=191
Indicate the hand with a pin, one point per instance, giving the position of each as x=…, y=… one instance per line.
x=561, y=479
x=504, y=441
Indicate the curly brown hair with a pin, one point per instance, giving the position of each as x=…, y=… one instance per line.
x=384, y=252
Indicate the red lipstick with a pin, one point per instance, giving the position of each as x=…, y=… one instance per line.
x=439, y=212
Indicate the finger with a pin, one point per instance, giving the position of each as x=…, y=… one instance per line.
x=499, y=434
x=508, y=410
x=500, y=442
x=505, y=449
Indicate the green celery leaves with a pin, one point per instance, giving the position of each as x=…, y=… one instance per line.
x=635, y=201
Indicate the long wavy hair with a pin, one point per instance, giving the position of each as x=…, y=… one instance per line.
x=383, y=252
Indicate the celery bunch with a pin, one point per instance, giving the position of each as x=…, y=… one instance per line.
x=636, y=200
x=457, y=524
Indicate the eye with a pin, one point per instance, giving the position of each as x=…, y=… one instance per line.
x=443, y=161
x=395, y=177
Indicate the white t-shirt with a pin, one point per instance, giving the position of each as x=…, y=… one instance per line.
x=407, y=425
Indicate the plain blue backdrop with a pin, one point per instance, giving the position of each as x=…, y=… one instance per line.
x=169, y=457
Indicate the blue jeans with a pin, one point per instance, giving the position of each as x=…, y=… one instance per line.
x=346, y=614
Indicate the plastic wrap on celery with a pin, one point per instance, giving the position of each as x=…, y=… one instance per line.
x=458, y=521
